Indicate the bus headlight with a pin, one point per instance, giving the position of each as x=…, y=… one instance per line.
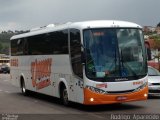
x=96, y=90
x=145, y=95
x=91, y=99
x=141, y=87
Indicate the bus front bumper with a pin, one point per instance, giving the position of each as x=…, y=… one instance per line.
x=92, y=98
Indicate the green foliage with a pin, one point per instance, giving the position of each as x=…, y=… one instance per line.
x=5, y=40
x=155, y=37
x=158, y=25
x=1, y=47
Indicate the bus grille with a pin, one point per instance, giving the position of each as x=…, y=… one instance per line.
x=116, y=92
x=97, y=90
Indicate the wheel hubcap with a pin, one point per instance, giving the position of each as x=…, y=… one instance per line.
x=23, y=88
x=65, y=96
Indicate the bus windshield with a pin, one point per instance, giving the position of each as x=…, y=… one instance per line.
x=114, y=54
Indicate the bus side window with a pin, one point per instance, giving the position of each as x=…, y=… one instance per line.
x=75, y=50
x=25, y=49
x=20, y=47
x=14, y=47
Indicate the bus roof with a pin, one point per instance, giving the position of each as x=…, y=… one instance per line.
x=79, y=25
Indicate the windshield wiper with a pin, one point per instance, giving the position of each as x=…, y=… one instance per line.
x=121, y=65
x=122, y=68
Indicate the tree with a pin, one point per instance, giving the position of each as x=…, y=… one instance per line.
x=1, y=47
x=158, y=25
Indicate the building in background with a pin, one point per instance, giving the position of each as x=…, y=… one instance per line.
x=4, y=60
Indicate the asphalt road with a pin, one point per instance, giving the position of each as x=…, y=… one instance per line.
x=15, y=106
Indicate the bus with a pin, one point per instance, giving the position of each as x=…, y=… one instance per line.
x=88, y=62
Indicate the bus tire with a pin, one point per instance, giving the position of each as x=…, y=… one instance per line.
x=23, y=87
x=64, y=96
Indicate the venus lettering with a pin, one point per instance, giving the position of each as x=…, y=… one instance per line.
x=41, y=73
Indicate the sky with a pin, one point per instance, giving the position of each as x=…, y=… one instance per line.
x=29, y=14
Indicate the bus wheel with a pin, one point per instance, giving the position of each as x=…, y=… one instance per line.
x=23, y=88
x=64, y=96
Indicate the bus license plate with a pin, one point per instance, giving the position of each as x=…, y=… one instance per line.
x=121, y=98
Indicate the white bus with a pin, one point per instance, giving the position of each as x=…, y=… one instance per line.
x=90, y=62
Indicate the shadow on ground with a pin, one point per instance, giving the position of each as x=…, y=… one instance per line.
x=86, y=108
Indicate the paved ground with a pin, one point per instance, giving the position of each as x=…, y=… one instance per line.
x=35, y=106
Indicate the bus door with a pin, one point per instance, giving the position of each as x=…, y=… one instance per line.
x=77, y=67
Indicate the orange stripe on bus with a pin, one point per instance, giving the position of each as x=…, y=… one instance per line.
x=91, y=98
